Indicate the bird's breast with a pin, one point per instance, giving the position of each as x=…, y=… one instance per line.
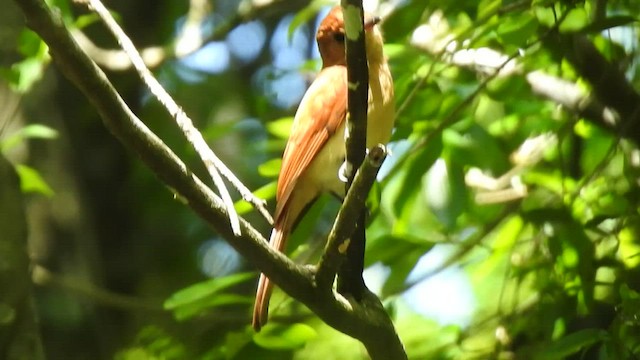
x=323, y=170
x=381, y=112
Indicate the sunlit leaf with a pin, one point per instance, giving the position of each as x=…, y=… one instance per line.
x=576, y=19
x=32, y=182
x=32, y=131
x=153, y=343
x=265, y=192
x=204, y=289
x=270, y=168
x=83, y=21
x=304, y=16
x=280, y=127
x=283, y=337
x=401, y=22
x=545, y=16
x=571, y=344
x=629, y=249
x=26, y=72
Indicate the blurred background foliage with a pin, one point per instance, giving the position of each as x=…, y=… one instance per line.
x=505, y=224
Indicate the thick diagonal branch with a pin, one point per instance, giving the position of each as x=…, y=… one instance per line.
x=135, y=135
x=364, y=320
x=213, y=164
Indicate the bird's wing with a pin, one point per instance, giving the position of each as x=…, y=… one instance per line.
x=322, y=111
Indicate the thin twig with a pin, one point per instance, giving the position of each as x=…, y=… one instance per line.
x=358, y=76
x=214, y=165
x=369, y=324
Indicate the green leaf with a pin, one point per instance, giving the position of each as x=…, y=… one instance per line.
x=204, y=289
x=25, y=73
x=545, y=16
x=153, y=343
x=284, y=337
x=30, y=44
x=517, y=30
x=575, y=20
x=33, y=131
x=402, y=21
x=266, y=192
x=271, y=168
x=32, y=182
x=488, y=110
x=83, y=21
x=280, y=128
x=505, y=88
x=488, y=8
x=196, y=299
x=630, y=305
x=629, y=248
x=235, y=341
x=198, y=306
x=571, y=344
x=304, y=16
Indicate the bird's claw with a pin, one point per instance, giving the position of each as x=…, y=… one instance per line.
x=342, y=172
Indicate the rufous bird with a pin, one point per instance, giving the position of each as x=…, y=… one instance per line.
x=315, y=150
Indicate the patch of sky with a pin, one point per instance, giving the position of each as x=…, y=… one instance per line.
x=445, y=296
x=247, y=40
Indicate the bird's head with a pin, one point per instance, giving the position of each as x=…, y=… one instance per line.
x=331, y=38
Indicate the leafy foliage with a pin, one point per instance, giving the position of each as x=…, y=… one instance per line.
x=529, y=200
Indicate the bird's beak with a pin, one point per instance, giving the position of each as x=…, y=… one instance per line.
x=370, y=21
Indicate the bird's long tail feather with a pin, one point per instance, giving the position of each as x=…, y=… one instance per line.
x=265, y=286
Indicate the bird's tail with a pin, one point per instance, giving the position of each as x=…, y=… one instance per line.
x=265, y=286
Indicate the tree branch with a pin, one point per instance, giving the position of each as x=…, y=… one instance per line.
x=210, y=160
x=365, y=320
x=353, y=205
x=213, y=164
x=134, y=134
x=358, y=77
x=435, y=39
x=609, y=84
x=350, y=280
x=614, y=106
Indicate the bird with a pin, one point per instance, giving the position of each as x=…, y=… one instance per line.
x=315, y=150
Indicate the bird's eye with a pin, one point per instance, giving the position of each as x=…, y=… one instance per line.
x=339, y=37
